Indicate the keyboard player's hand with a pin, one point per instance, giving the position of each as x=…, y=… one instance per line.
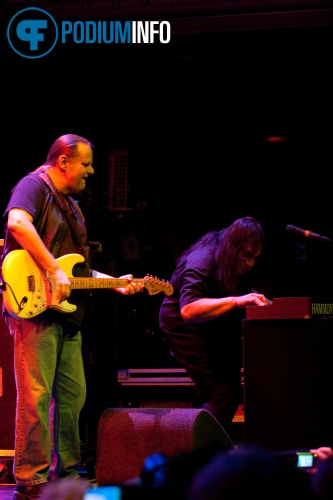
x=253, y=299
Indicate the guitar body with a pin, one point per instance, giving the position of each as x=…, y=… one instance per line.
x=28, y=290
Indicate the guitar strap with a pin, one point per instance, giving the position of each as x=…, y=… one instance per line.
x=74, y=208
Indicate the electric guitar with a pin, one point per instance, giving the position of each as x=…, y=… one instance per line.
x=29, y=291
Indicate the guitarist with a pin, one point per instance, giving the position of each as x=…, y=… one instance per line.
x=42, y=218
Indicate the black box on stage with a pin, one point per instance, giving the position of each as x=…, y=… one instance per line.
x=288, y=383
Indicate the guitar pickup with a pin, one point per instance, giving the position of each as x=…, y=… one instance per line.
x=31, y=283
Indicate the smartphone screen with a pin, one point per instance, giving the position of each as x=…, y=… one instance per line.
x=103, y=493
x=305, y=459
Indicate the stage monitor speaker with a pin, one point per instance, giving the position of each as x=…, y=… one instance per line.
x=288, y=383
x=126, y=437
x=7, y=387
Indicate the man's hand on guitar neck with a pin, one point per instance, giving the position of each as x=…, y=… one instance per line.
x=131, y=288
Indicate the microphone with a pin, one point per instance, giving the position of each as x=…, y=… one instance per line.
x=306, y=233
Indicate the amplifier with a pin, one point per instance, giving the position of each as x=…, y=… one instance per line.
x=154, y=377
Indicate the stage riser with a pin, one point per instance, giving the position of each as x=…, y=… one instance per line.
x=7, y=389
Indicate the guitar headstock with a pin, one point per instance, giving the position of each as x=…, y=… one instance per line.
x=154, y=285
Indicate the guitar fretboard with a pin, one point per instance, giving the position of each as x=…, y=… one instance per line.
x=87, y=283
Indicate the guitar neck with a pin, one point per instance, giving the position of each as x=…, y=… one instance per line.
x=93, y=283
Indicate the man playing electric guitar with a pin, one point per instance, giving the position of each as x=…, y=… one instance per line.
x=43, y=219
x=29, y=291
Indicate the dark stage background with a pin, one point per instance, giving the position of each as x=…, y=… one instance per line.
x=194, y=116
